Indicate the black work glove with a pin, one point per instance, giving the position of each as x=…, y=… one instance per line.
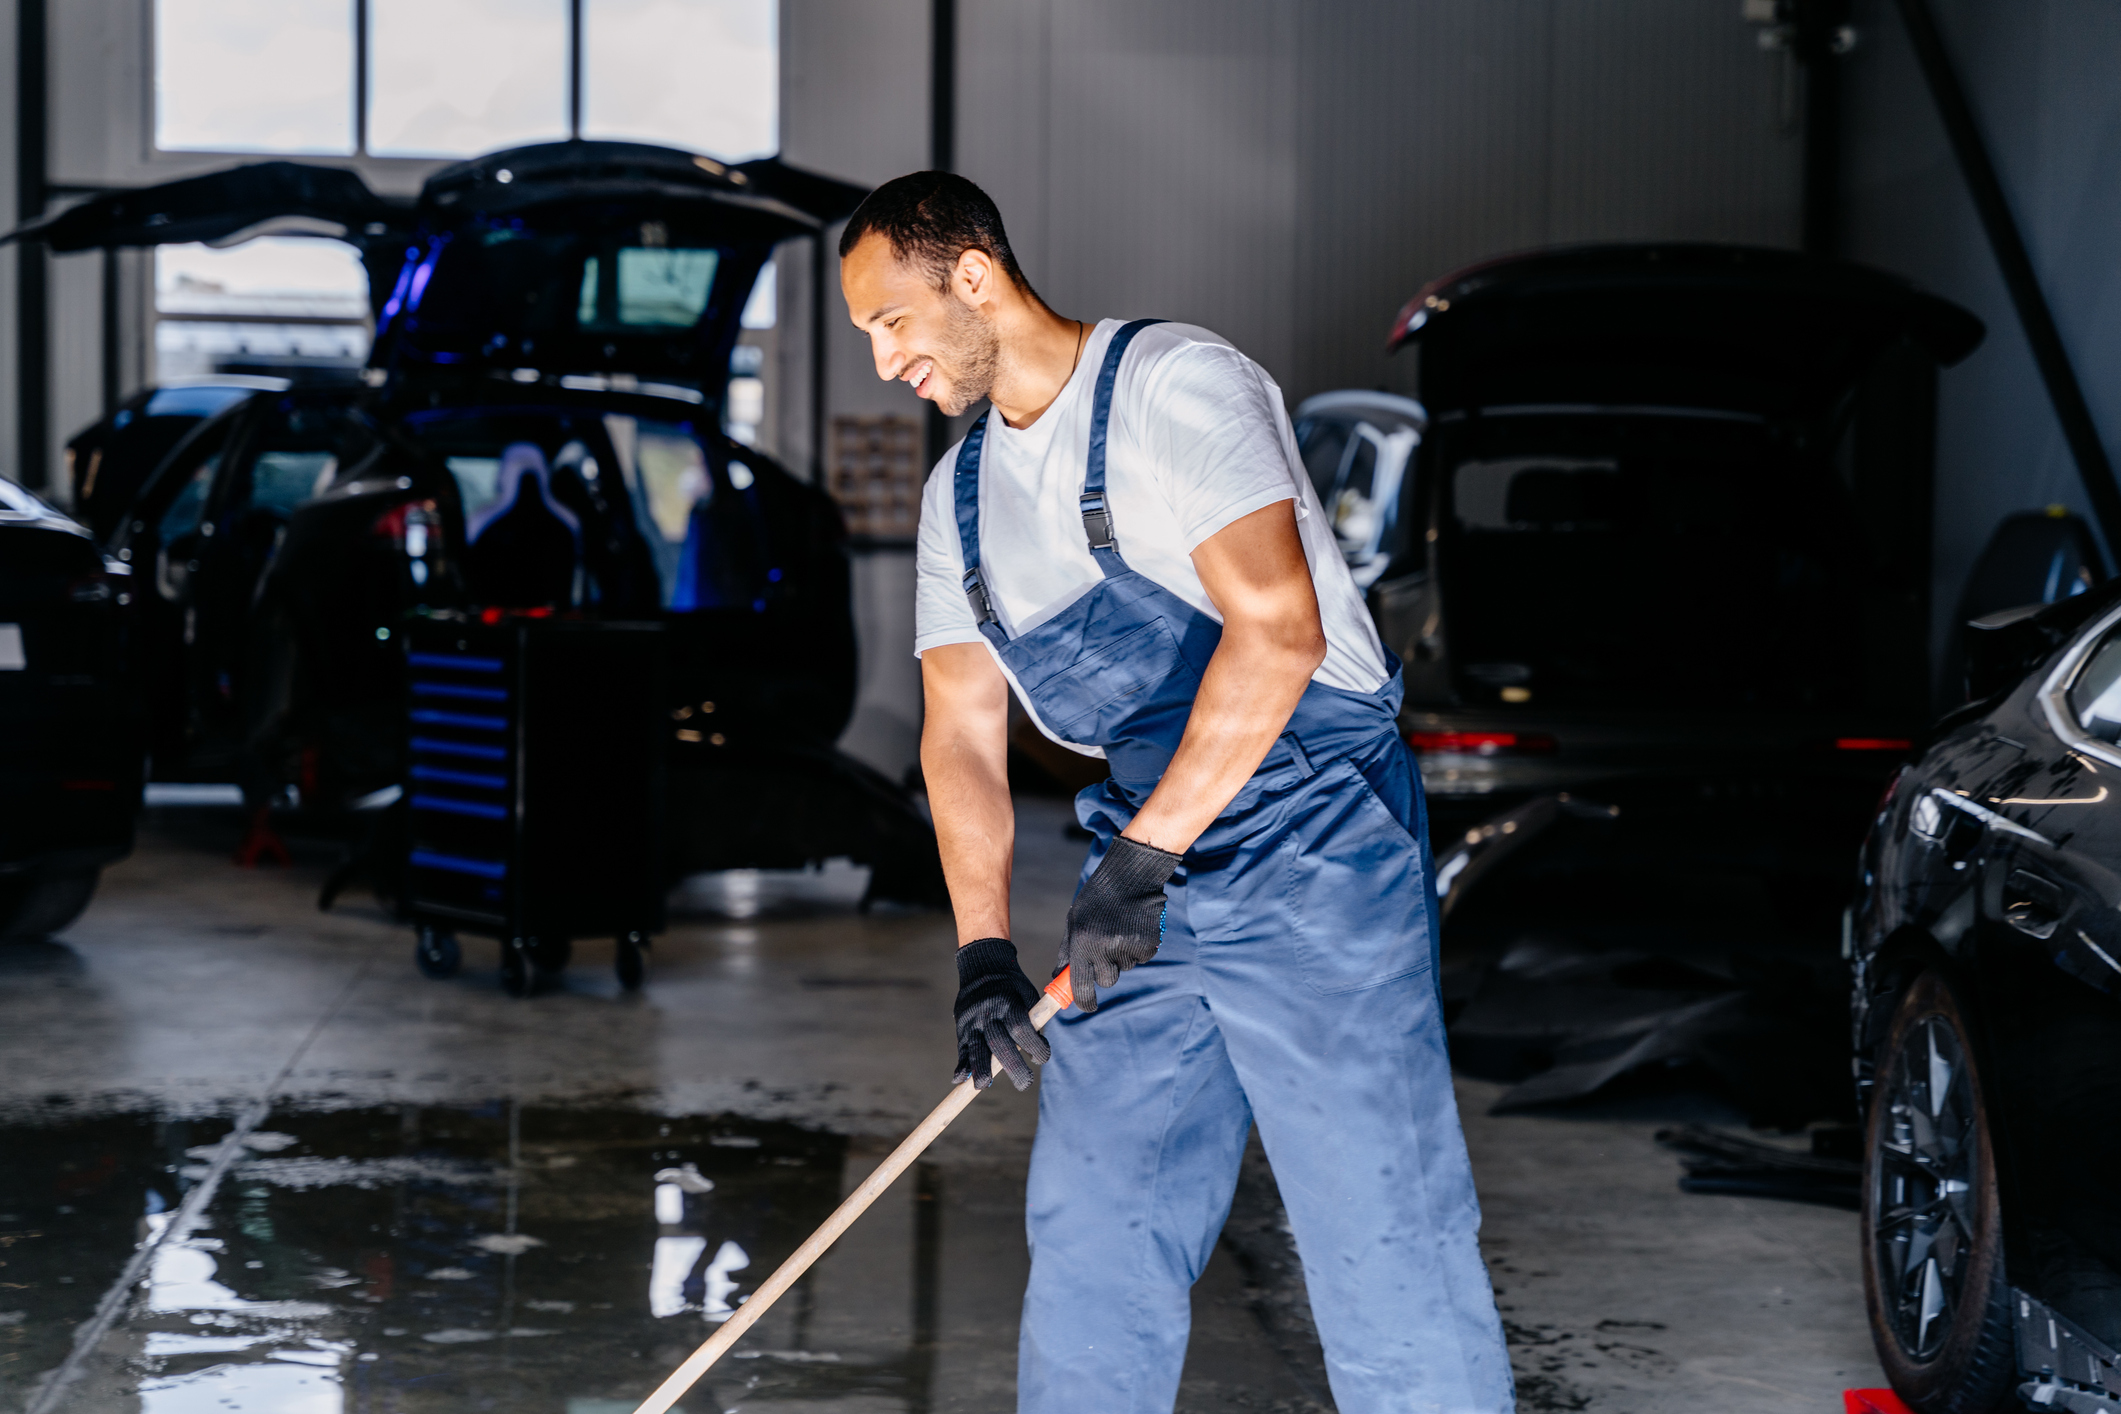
x=993, y=1011
x=1117, y=919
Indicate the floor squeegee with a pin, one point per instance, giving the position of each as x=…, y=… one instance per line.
x=1057, y=995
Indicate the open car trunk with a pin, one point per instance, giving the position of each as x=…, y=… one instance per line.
x=564, y=258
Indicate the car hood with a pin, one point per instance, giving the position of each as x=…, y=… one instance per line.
x=489, y=269
x=21, y=510
x=1730, y=327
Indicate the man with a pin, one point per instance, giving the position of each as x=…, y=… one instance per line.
x=1128, y=541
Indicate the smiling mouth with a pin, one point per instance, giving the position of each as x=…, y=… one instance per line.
x=920, y=377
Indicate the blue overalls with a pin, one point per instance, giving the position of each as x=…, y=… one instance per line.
x=1295, y=986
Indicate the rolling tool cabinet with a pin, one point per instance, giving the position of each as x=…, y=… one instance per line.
x=534, y=789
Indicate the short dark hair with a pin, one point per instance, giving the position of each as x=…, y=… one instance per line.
x=932, y=218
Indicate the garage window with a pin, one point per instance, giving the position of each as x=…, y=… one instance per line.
x=254, y=76
x=455, y=78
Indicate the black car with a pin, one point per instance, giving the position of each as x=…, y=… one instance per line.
x=1665, y=544
x=107, y=461
x=70, y=758
x=1987, y=1021
x=538, y=429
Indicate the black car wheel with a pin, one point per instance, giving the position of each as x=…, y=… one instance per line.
x=437, y=952
x=1932, y=1227
x=39, y=905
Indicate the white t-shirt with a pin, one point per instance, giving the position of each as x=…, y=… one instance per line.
x=1198, y=438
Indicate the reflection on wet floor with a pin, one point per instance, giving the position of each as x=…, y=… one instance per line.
x=533, y=1259
x=836, y=887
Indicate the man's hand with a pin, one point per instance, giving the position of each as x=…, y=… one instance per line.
x=993, y=1011
x=1117, y=921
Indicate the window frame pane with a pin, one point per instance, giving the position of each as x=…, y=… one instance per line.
x=283, y=62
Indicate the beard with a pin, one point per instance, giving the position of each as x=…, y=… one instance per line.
x=967, y=356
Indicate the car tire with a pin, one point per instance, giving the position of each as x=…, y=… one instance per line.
x=1933, y=1279
x=42, y=904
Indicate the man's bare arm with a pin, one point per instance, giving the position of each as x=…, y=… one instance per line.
x=965, y=761
x=1255, y=572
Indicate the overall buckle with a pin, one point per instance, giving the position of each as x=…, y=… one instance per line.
x=1097, y=521
x=976, y=595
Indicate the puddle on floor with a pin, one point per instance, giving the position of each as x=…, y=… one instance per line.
x=379, y=1260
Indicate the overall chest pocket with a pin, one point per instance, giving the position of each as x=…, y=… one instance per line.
x=1088, y=700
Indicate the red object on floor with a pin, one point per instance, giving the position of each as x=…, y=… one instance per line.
x=261, y=843
x=1872, y=1401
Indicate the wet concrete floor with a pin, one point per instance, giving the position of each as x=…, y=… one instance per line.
x=250, y=1160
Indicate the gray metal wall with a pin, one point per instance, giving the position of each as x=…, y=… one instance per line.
x=2044, y=79
x=1288, y=173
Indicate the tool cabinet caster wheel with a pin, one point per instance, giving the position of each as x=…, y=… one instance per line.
x=436, y=952
x=629, y=963
x=521, y=973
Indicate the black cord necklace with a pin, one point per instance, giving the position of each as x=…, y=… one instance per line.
x=1082, y=332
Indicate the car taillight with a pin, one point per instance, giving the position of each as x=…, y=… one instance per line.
x=495, y=615
x=1873, y=743
x=1482, y=743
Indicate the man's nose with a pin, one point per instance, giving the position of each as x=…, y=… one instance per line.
x=885, y=350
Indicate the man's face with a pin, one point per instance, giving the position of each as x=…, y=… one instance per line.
x=940, y=342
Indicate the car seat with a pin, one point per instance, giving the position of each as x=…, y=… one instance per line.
x=525, y=547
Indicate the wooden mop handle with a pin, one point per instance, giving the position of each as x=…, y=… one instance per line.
x=1057, y=996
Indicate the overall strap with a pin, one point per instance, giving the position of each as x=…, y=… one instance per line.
x=965, y=483
x=1097, y=511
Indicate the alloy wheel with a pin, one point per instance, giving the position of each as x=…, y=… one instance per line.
x=1923, y=1197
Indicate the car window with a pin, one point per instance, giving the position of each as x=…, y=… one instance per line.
x=1539, y=494
x=673, y=472
x=195, y=400
x=1611, y=559
x=1323, y=441
x=189, y=507
x=478, y=482
x=643, y=287
x=282, y=480
x=2095, y=697
x=299, y=453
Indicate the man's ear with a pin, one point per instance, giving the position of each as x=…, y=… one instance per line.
x=972, y=279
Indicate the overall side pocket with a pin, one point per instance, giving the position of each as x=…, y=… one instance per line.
x=1354, y=887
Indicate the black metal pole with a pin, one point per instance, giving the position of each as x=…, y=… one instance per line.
x=360, y=68
x=942, y=148
x=942, y=95
x=2078, y=429
x=32, y=262
x=1816, y=33
x=818, y=296
x=574, y=68
x=113, y=368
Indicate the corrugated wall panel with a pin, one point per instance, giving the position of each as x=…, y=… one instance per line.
x=1669, y=124
x=1171, y=163
x=1289, y=173
x=1424, y=134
